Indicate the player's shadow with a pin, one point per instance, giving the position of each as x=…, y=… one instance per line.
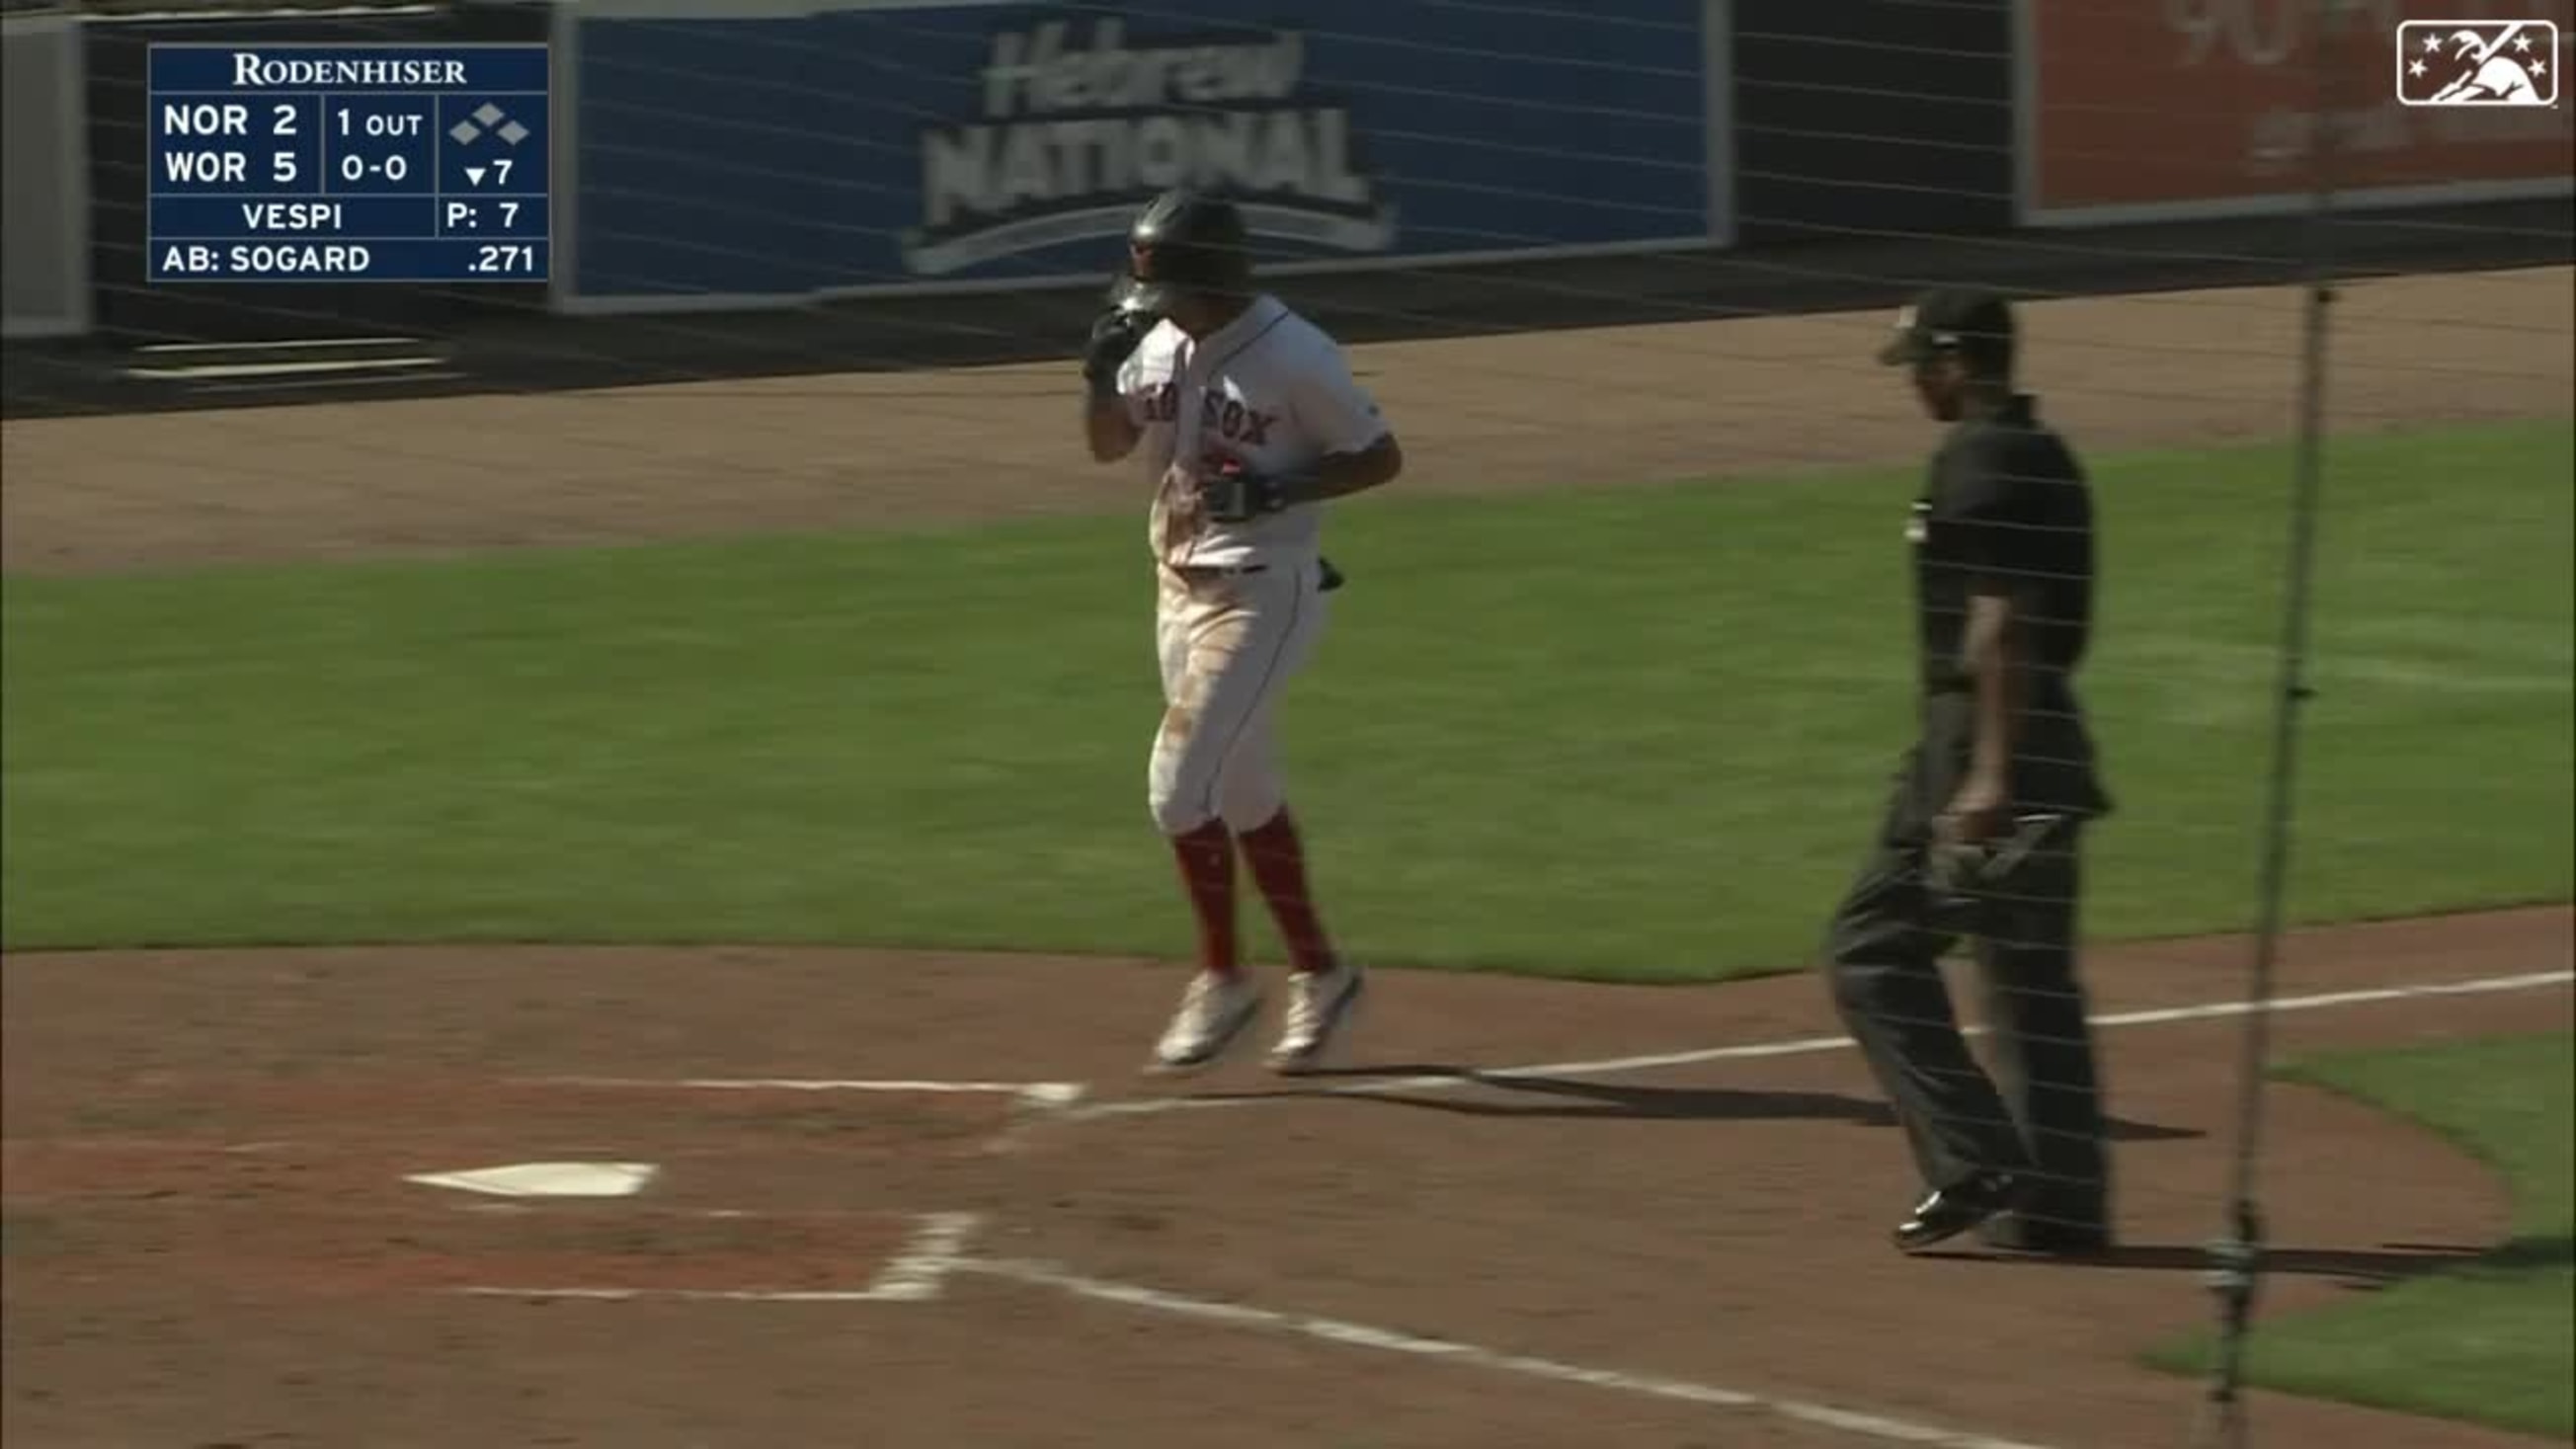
x=2363, y=1269
x=1521, y=1095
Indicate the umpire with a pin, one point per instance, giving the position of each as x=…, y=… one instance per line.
x=1981, y=836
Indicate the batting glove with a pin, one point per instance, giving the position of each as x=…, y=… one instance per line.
x=1115, y=336
x=1234, y=493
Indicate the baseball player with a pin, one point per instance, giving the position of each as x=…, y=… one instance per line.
x=1248, y=419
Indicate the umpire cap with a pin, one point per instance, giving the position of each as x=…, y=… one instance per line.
x=1970, y=321
x=1183, y=241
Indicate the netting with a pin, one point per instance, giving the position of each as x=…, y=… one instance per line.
x=821, y=268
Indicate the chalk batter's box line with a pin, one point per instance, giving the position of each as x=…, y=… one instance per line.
x=938, y=1251
x=1029, y=1094
x=1032, y=1102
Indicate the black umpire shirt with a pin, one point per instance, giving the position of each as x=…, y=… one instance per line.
x=2005, y=497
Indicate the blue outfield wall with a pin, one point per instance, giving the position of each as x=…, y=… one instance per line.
x=769, y=159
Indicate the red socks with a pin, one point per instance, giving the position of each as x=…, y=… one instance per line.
x=1277, y=858
x=1278, y=862
x=1206, y=857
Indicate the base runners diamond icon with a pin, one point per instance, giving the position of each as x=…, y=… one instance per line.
x=489, y=114
x=2477, y=63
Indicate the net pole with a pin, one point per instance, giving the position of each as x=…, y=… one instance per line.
x=2236, y=1256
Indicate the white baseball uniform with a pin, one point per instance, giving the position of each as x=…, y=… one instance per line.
x=1238, y=606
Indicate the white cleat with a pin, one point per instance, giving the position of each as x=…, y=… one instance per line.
x=1214, y=1012
x=1321, y=1006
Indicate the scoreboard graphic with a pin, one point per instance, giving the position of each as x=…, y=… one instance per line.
x=349, y=163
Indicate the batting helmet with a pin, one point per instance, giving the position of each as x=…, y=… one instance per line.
x=1184, y=241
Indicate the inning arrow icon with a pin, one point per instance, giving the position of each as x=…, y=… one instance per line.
x=474, y=175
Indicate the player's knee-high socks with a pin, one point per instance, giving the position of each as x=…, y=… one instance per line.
x=1278, y=860
x=1206, y=857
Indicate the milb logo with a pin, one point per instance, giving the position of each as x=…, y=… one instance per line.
x=2477, y=63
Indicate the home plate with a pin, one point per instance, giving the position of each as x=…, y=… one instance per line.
x=546, y=1179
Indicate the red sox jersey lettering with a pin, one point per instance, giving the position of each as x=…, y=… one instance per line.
x=1269, y=391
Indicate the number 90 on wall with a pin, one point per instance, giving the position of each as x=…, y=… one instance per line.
x=350, y=163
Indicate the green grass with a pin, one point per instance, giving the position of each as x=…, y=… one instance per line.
x=2491, y=1342
x=1638, y=733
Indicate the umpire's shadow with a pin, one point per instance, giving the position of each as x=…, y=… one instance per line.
x=1570, y=1098
x=2361, y=1269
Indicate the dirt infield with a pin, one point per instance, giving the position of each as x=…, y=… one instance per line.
x=1772, y=394
x=931, y=1240
x=211, y=1238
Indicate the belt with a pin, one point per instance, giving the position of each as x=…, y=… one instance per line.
x=1327, y=577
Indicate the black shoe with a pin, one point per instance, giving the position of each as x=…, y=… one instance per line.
x=2053, y=1237
x=1947, y=1212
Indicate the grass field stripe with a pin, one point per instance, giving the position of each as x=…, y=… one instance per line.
x=1385, y=1340
x=1800, y=1046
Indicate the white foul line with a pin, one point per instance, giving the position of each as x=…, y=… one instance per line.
x=1800, y=1046
x=1360, y=1335
x=936, y=1250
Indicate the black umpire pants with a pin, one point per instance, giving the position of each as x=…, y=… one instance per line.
x=2044, y=1121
